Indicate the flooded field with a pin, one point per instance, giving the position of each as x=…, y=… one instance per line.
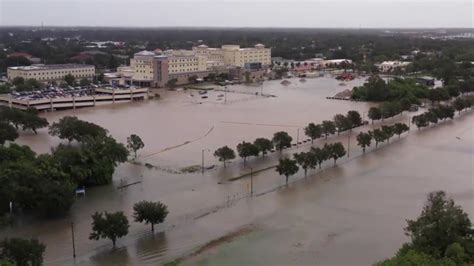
x=357, y=206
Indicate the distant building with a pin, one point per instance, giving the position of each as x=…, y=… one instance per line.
x=390, y=66
x=47, y=73
x=156, y=68
x=234, y=55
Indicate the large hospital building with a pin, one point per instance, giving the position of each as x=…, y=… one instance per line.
x=156, y=68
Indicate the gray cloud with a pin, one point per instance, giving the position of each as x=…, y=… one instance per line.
x=245, y=13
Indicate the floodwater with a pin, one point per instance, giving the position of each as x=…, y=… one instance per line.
x=357, y=206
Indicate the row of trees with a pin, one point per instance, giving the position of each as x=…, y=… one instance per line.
x=115, y=225
x=282, y=140
x=442, y=112
x=380, y=135
x=309, y=160
x=442, y=235
x=316, y=156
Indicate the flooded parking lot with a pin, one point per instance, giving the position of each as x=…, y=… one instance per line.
x=358, y=206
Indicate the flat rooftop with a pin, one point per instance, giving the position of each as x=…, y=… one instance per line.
x=50, y=67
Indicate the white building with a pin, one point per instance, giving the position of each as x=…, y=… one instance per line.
x=389, y=66
x=47, y=73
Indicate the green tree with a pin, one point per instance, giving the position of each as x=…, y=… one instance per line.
x=379, y=136
x=354, y=118
x=287, y=167
x=320, y=155
x=92, y=162
x=224, y=154
x=264, y=145
x=32, y=121
x=281, y=140
x=458, y=104
x=134, y=143
x=335, y=150
x=18, y=81
x=413, y=257
x=23, y=252
x=313, y=131
x=364, y=140
x=150, y=213
x=71, y=128
x=109, y=225
x=440, y=224
x=7, y=132
x=400, y=128
x=70, y=79
x=247, y=149
x=389, y=131
x=420, y=121
x=305, y=160
x=328, y=127
x=342, y=123
x=84, y=82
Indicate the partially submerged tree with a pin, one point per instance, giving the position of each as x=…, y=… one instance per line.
x=313, y=131
x=364, y=140
x=264, y=145
x=320, y=155
x=335, y=150
x=354, y=118
x=247, y=149
x=374, y=114
x=150, y=213
x=287, y=167
x=305, y=160
x=224, y=154
x=134, y=143
x=379, y=136
x=281, y=140
x=328, y=128
x=109, y=225
x=400, y=128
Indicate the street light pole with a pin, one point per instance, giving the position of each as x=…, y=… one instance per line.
x=202, y=160
x=73, y=241
x=225, y=94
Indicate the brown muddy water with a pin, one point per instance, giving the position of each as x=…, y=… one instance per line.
x=349, y=214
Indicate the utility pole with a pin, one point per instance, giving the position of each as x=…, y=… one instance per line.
x=225, y=94
x=251, y=181
x=202, y=160
x=348, y=144
x=297, y=137
x=73, y=241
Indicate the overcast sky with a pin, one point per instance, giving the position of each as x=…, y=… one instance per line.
x=241, y=13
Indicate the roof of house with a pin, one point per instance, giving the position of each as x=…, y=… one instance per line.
x=19, y=54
